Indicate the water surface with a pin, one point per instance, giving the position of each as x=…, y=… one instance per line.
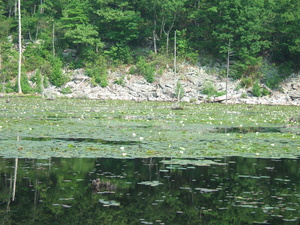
x=230, y=190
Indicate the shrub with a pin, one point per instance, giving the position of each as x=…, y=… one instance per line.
x=256, y=91
x=246, y=82
x=56, y=77
x=132, y=70
x=209, y=89
x=271, y=75
x=66, y=90
x=26, y=88
x=145, y=69
x=265, y=92
x=179, y=91
x=244, y=95
x=37, y=79
x=120, y=81
x=97, y=71
x=120, y=54
x=8, y=88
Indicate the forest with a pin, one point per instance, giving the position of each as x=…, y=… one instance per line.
x=260, y=39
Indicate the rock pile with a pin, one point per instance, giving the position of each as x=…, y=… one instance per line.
x=193, y=81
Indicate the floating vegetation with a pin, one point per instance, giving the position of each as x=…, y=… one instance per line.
x=151, y=183
x=35, y=128
x=108, y=203
x=195, y=162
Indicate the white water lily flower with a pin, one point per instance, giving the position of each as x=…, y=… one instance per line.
x=141, y=138
x=122, y=148
x=181, y=152
x=133, y=134
x=124, y=154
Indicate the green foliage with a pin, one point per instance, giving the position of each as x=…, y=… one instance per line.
x=37, y=81
x=9, y=87
x=244, y=95
x=56, y=76
x=119, y=54
x=209, y=89
x=263, y=36
x=66, y=90
x=179, y=91
x=256, y=90
x=271, y=75
x=132, y=70
x=120, y=81
x=26, y=88
x=264, y=92
x=97, y=70
x=246, y=82
x=184, y=49
x=145, y=69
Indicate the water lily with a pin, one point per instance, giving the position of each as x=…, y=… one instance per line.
x=133, y=134
x=124, y=154
x=122, y=148
x=141, y=138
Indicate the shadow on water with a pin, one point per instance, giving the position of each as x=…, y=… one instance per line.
x=87, y=140
x=231, y=190
x=245, y=130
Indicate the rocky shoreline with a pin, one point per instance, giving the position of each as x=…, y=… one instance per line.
x=124, y=86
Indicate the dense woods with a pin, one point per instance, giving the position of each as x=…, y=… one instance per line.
x=262, y=37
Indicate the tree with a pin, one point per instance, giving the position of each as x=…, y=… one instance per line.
x=77, y=28
x=117, y=21
x=169, y=11
x=20, y=48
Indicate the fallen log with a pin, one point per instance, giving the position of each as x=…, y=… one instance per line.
x=223, y=98
x=295, y=97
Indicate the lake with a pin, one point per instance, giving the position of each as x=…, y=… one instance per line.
x=230, y=190
x=156, y=163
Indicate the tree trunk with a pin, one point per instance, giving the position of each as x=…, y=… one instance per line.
x=53, y=40
x=175, y=63
x=20, y=49
x=154, y=37
x=228, y=69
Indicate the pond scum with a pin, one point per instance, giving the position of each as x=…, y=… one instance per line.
x=32, y=127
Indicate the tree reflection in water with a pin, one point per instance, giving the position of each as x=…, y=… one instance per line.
x=231, y=190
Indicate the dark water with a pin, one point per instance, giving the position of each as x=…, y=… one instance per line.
x=147, y=191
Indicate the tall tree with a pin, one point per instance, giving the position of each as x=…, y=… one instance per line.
x=20, y=48
x=169, y=11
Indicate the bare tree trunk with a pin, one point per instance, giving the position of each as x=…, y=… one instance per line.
x=154, y=37
x=167, y=33
x=20, y=49
x=53, y=40
x=228, y=69
x=175, y=63
x=3, y=82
